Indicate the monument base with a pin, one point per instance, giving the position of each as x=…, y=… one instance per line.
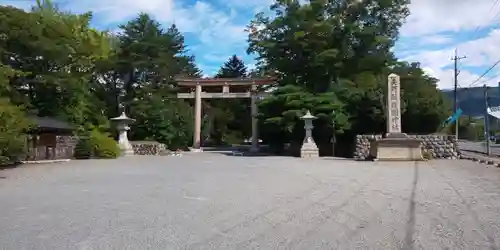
x=309, y=150
x=397, y=147
x=254, y=149
x=126, y=151
x=196, y=150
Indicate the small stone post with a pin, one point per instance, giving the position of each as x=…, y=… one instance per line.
x=333, y=135
x=309, y=148
x=122, y=125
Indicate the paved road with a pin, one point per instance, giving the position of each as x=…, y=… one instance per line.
x=479, y=147
x=210, y=201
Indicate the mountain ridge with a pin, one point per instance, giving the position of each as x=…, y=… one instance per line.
x=471, y=100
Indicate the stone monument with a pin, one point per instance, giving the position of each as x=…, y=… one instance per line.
x=309, y=148
x=122, y=123
x=396, y=145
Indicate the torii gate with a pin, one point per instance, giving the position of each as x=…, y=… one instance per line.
x=248, y=85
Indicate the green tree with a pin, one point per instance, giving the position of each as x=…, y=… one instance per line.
x=150, y=56
x=281, y=112
x=53, y=54
x=169, y=121
x=141, y=76
x=232, y=68
x=13, y=126
x=425, y=107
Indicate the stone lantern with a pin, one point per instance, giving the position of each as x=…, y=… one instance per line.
x=122, y=123
x=309, y=148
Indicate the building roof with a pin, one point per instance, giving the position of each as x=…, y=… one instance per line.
x=50, y=123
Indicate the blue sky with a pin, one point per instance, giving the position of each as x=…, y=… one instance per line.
x=214, y=30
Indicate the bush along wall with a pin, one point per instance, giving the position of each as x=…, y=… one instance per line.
x=97, y=145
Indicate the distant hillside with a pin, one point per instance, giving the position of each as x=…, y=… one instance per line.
x=471, y=100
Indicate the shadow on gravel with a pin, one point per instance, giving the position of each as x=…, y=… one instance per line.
x=10, y=166
x=249, y=154
x=410, y=226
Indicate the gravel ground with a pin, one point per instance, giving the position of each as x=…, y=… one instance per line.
x=212, y=201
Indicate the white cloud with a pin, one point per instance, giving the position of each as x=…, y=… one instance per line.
x=247, y=4
x=433, y=16
x=216, y=57
x=213, y=26
x=435, y=40
x=482, y=53
x=113, y=11
x=458, y=18
x=251, y=66
x=465, y=79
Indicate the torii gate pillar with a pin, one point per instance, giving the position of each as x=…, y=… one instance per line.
x=197, y=119
x=255, y=121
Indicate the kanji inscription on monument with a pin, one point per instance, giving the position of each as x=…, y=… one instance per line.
x=393, y=104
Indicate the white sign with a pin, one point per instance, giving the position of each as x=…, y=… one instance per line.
x=494, y=111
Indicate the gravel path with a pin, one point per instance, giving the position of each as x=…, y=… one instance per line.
x=211, y=201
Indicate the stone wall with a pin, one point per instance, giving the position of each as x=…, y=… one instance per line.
x=439, y=146
x=148, y=148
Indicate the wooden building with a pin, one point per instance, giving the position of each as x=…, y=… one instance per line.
x=50, y=139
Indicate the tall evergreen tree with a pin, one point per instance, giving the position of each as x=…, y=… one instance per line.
x=147, y=61
x=233, y=68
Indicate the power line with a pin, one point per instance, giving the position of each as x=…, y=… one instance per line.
x=479, y=25
x=489, y=79
x=498, y=13
x=474, y=33
x=486, y=72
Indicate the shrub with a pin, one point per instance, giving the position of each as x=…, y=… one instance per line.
x=13, y=125
x=427, y=155
x=104, y=146
x=97, y=144
x=83, y=149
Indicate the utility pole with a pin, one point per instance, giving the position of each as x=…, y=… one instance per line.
x=456, y=58
x=486, y=121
